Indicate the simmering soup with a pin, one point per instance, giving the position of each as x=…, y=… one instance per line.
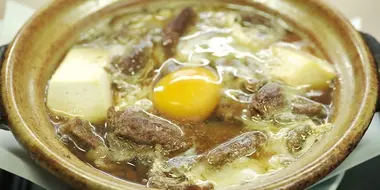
x=192, y=97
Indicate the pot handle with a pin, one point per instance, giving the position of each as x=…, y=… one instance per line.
x=3, y=116
x=374, y=47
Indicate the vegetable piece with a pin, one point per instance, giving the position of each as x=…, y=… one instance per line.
x=298, y=68
x=80, y=87
x=190, y=93
x=242, y=145
x=175, y=29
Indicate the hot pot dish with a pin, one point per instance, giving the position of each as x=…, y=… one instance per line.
x=188, y=95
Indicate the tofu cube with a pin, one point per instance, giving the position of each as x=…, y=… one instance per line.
x=80, y=87
x=298, y=68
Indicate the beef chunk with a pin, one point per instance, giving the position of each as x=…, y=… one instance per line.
x=161, y=177
x=255, y=19
x=306, y=107
x=297, y=136
x=175, y=29
x=242, y=145
x=82, y=133
x=163, y=182
x=181, y=164
x=182, y=161
x=286, y=118
x=253, y=85
x=291, y=37
x=134, y=171
x=142, y=128
x=97, y=153
x=137, y=60
x=122, y=150
x=269, y=100
x=229, y=109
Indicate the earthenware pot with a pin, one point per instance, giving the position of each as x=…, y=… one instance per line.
x=37, y=49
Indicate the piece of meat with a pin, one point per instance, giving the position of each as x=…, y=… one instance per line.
x=175, y=29
x=182, y=161
x=297, y=137
x=253, y=85
x=160, y=176
x=133, y=171
x=96, y=153
x=307, y=107
x=179, y=165
x=143, y=128
x=269, y=100
x=255, y=19
x=163, y=182
x=82, y=133
x=291, y=37
x=243, y=145
x=287, y=118
x=122, y=150
x=137, y=60
x=204, y=186
x=229, y=109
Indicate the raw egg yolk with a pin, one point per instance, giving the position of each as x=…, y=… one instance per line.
x=190, y=93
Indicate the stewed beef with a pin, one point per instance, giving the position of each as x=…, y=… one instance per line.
x=137, y=59
x=269, y=100
x=297, y=137
x=175, y=29
x=255, y=19
x=242, y=145
x=163, y=182
x=229, y=109
x=143, y=128
x=253, y=85
x=161, y=177
x=307, y=107
x=122, y=150
x=183, y=161
x=82, y=133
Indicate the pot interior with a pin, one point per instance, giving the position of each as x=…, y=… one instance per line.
x=42, y=43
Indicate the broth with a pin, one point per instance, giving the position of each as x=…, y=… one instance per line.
x=259, y=123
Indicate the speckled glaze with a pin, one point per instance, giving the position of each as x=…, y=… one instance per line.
x=40, y=45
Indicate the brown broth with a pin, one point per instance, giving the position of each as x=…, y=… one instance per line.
x=211, y=134
x=205, y=135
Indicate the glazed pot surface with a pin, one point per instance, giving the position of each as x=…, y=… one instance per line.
x=39, y=47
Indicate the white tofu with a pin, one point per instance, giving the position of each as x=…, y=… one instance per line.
x=80, y=87
x=298, y=68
